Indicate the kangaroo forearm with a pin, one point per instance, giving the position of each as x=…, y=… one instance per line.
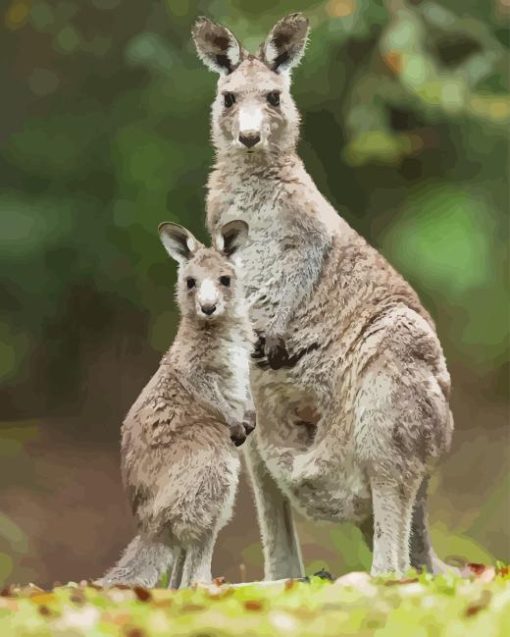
x=206, y=392
x=213, y=399
x=232, y=415
x=250, y=403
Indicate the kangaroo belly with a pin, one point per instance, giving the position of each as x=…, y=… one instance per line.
x=346, y=500
x=337, y=492
x=321, y=486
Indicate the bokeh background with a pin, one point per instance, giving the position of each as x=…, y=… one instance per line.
x=104, y=114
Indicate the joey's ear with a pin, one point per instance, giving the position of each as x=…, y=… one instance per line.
x=180, y=244
x=285, y=44
x=231, y=237
x=217, y=47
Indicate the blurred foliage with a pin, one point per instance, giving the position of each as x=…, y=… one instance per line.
x=405, y=108
x=13, y=541
x=354, y=605
x=105, y=133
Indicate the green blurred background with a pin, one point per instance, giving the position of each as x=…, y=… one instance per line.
x=104, y=133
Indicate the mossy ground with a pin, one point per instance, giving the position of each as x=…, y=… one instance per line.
x=420, y=606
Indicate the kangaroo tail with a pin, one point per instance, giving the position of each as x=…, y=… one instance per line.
x=142, y=564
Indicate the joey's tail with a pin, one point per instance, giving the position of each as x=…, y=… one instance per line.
x=142, y=564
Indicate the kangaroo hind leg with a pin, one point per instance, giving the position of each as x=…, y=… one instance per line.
x=393, y=509
x=198, y=561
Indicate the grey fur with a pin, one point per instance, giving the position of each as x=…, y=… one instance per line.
x=179, y=466
x=282, y=553
x=346, y=339
x=142, y=563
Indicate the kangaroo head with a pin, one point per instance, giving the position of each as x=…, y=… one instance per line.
x=207, y=285
x=253, y=110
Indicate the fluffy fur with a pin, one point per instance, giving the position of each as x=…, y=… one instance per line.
x=179, y=465
x=352, y=391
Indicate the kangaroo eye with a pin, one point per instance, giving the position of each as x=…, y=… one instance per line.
x=229, y=99
x=190, y=283
x=273, y=98
x=225, y=280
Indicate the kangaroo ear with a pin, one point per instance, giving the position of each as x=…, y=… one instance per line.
x=285, y=44
x=217, y=47
x=180, y=244
x=231, y=237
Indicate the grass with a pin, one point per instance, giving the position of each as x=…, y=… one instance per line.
x=420, y=606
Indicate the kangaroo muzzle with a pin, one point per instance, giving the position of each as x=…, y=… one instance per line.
x=250, y=126
x=208, y=299
x=249, y=139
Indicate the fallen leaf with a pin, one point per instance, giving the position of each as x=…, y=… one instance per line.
x=476, y=569
x=398, y=582
x=482, y=572
x=78, y=597
x=481, y=604
x=323, y=574
x=142, y=593
x=43, y=598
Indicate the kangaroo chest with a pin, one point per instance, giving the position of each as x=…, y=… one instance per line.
x=262, y=257
x=238, y=358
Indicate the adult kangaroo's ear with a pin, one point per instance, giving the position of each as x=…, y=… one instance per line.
x=231, y=237
x=217, y=47
x=286, y=42
x=180, y=244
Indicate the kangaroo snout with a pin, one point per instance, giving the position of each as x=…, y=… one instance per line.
x=249, y=138
x=208, y=309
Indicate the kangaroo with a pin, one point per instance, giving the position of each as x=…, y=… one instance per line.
x=179, y=466
x=351, y=387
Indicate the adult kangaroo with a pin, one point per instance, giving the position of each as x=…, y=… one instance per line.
x=351, y=387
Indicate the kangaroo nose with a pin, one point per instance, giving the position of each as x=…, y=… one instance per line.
x=249, y=139
x=208, y=309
